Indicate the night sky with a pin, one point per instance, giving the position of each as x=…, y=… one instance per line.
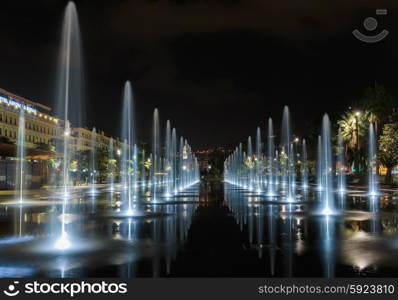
x=216, y=68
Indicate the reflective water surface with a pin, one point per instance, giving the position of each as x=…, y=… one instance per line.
x=211, y=229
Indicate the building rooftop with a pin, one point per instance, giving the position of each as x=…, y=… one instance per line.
x=24, y=100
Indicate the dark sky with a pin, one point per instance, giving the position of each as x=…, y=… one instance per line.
x=216, y=68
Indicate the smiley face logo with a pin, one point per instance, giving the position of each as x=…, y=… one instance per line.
x=370, y=25
x=12, y=290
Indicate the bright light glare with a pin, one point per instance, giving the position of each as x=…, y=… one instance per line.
x=63, y=242
x=327, y=211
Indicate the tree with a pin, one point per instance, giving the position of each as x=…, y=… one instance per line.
x=388, y=148
x=83, y=159
x=103, y=164
x=379, y=102
x=45, y=147
x=5, y=140
x=354, y=126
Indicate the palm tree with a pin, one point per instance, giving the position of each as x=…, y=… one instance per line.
x=353, y=127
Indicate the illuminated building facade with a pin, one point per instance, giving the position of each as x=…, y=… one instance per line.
x=40, y=126
x=42, y=130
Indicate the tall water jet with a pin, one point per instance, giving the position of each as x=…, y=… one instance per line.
x=292, y=171
x=271, y=162
x=276, y=173
x=143, y=160
x=168, y=163
x=341, y=164
x=128, y=137
x=21, y=165
x=20, y=175
x=155, y=152
x=327, y=168
x=373, y=182
x=135, y=167
x=93, y=160
x=243, y=170
x=180, y=164
x=186, y=165
x=319, y=166
x=111, y=165
x=288, y=172
x=69, y=100
x=304, y=166
x=174, y=159
x=258, y=160
x=241, y=163
x=150, y=160
x=249, y=163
